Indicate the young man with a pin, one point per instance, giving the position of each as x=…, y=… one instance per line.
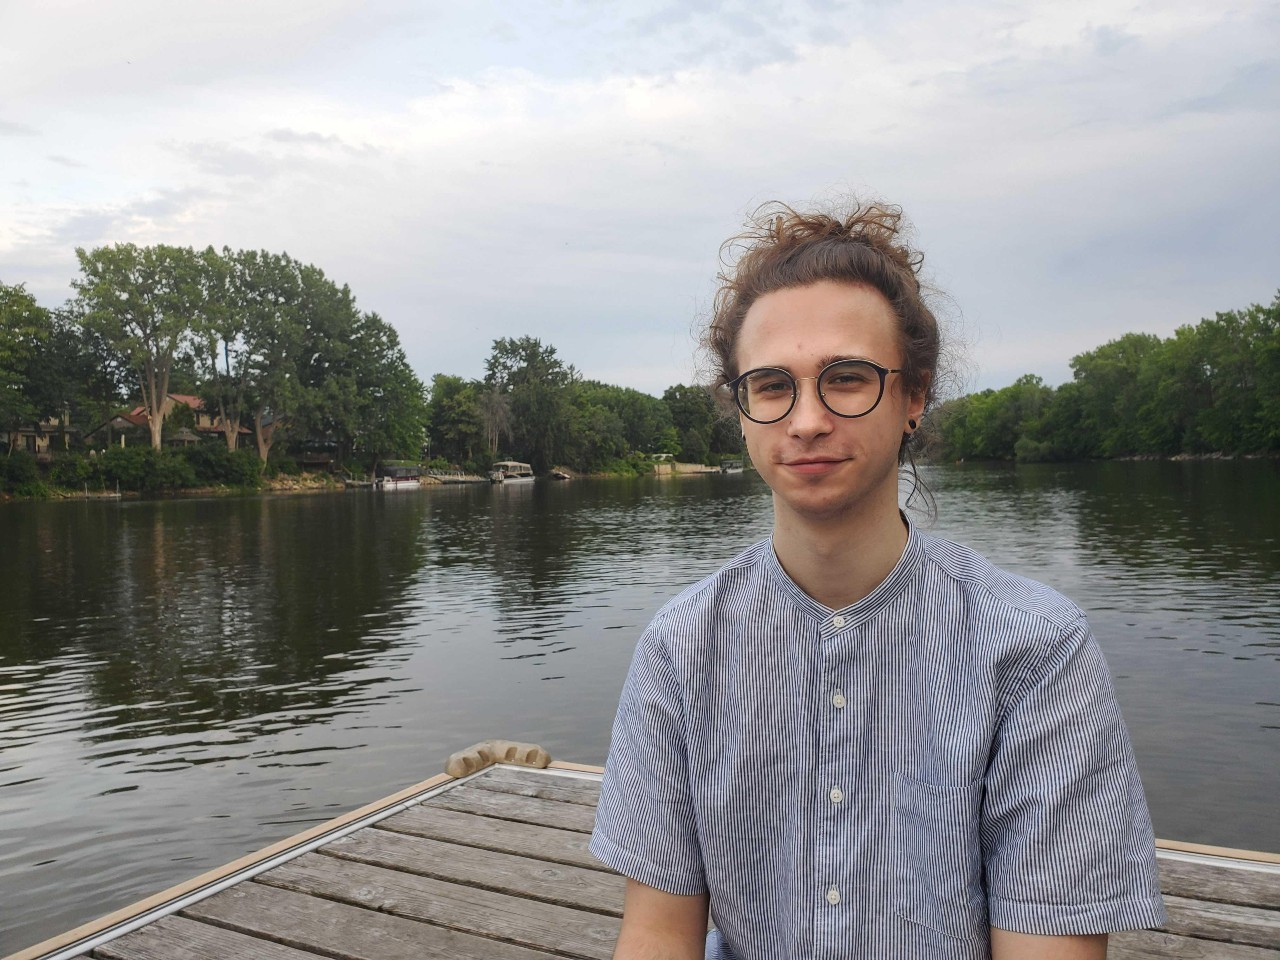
x=857, y=740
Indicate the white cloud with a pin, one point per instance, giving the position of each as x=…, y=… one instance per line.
x=570, y=174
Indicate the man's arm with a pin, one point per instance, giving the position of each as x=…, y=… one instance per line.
x=661, y=926
x=1007, y=945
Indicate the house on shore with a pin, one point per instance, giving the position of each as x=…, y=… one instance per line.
x=42, y=439
x=132, y=427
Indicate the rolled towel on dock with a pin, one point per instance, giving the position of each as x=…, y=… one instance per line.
x=488, y=752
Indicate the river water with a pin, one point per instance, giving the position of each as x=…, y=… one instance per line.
x=185, y=681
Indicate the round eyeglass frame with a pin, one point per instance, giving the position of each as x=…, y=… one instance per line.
x=734, y=386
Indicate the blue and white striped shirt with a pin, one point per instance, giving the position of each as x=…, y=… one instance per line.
x=883, y=781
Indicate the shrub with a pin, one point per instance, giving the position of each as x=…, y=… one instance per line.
x=171, y=472
x=33, y=490
x=71, y=471
x=141, y=468
x=17, y=470
x=641, y=464
x=281, y=466
x=213, y=463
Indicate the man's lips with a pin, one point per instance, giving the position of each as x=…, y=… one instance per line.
x=813, y=465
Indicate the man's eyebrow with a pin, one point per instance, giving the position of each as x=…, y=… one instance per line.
x=822, y=361
x=836, y=358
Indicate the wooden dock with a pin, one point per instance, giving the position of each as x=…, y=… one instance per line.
x=495, y=865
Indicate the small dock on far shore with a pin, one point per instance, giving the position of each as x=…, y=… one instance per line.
x=492, y=863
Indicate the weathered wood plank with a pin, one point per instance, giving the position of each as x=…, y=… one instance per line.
x=1223, y=921
x=504, y=836
x=504, y=806
x=342, y=931
x=1152, y=945
x=530, y=783
x=177, y=938
x=1225, y=881
x=501, y=872
x=576, y=933
x=498, y=867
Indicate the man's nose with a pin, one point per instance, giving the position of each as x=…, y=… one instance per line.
x=810, y=416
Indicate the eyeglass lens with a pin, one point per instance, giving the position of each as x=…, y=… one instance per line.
x=849, y=388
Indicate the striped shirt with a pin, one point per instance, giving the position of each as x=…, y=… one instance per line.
x=883, y=781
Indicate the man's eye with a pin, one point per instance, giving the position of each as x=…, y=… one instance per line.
x=848, y=378
x=772, y=385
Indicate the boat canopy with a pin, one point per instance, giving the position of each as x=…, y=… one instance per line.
x=394, y=471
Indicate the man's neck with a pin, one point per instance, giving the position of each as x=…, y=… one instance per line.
x=839, y=560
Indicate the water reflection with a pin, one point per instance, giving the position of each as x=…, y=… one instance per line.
x=201, y=614
x=181, y=682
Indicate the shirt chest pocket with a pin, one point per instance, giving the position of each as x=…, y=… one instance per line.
x=937, y=848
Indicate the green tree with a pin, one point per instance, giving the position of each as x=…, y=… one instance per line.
x=1263, y=326
x=1111, y=391
x=596, y=436
x=454, y=424
x=143, y=301
x=24, y=328
x=1230, y=347
x=236, y=286
x=1174, y=388
x=645, y=420
x=494, y=407
x=691, y=408
x=539, y=386
x=392, y=409
x=693, y=446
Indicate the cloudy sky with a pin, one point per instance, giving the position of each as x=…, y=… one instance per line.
x=568, y=169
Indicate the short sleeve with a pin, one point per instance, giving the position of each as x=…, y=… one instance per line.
x=1067, y=839
x=645, y=825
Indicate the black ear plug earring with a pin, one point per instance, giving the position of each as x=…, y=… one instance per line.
x=911, y=424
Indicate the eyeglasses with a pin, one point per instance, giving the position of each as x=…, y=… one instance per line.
x=848, y=388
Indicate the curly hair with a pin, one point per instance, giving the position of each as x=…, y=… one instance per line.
x=784, y=248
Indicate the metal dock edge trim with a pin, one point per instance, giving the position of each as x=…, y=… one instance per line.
x=1181, y=850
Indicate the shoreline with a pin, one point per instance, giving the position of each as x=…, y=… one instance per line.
x=315, y=483
x=302, y=484
x=1133, y=458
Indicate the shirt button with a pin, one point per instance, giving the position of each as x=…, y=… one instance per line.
x=836, y=794
x=837, y=622
x=838, y=699
x=833, y=896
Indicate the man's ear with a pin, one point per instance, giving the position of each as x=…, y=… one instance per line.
x=916, y=401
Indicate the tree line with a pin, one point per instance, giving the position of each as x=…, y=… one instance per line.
x=270, y=345
x=531, y=406
x=1210, y=388
x=279, y=353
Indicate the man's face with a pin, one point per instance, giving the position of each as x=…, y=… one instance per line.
x=819, y=465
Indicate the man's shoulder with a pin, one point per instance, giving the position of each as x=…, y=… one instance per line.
x=708, y=596
x=966, y=572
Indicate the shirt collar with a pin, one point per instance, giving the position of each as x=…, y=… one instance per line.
x=890, y=588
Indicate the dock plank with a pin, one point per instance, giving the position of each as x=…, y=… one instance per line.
x=497, y=866
x=559, y=883
x=575, y=933
x=535, y=783
x=1223, y=921
x=1225, y=881
x=177, y=938
x=504, y=806
x=1153, y=945
x=342, y=931
x=503, y=836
